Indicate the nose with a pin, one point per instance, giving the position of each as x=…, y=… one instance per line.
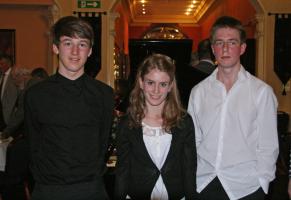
x=75, y=49
x=156, y=88
x=225, y=46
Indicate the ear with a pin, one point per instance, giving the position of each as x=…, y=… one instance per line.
x=55, y=49
x=243, y=48
x=212, y=49
x=140, y=83
x=90, y=52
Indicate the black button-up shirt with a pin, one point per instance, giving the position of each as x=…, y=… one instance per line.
x=68, y=124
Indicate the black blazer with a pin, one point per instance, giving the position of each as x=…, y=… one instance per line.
x=136, y=174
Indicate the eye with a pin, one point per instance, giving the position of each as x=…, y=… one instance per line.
x=233, y=43
x=218, y=43
x=67, y=43
x=149, y=82
x=164, y=84
x=84, y=45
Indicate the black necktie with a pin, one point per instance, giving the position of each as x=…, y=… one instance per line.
x=2, y=121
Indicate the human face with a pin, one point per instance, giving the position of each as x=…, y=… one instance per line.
x=4, y=65
x=73, y=54
x=227, y=48
x=155, y=85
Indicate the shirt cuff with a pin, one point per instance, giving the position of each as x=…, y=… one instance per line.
x=264, y=184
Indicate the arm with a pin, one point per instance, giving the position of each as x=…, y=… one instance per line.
x=267, y=150
x=193, y=112
x=107, y=116
x=123, y=161
x=16, y=119
x=190, y=160
x=32, y=127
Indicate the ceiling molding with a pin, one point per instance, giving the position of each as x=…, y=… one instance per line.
x=165, y=11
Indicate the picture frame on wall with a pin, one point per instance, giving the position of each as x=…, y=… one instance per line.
x=7, y=43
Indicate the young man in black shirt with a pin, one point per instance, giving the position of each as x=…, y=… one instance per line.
x=68, y=119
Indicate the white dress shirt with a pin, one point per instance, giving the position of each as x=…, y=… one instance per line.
x=158, y=143
x=236, y=133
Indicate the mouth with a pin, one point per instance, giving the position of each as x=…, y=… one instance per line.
x=225, y=56
x=74, y=59
x=154, y=97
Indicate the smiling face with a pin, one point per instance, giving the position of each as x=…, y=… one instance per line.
x=73, y=54
x=227, y=47
x=155, y=85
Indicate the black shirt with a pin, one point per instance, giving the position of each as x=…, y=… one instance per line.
x=68, y=124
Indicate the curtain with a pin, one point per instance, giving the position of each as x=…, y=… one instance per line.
x=282, y=53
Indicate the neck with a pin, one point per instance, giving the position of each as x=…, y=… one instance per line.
x=71, y=75
x=153, y=116
x=227, y=76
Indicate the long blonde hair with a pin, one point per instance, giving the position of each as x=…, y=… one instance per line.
x=173, y=111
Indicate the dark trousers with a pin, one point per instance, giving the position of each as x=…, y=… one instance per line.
x=215, y=191
x=94, y=190
x=16, y=172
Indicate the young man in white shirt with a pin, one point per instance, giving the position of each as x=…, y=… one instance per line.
x=235, y=123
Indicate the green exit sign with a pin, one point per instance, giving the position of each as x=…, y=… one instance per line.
x=89, y=4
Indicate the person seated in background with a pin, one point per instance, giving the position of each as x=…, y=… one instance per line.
x=20, y=77
x=194, y=59
x=194, y=74
x=16, y=168
x=9, y=91
x=156, y=153
x=39, y=73
x=23, y=79
x=206, y=58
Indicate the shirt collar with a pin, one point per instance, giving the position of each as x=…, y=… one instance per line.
x=242, y=74
x=8, y=71
x=60, y=78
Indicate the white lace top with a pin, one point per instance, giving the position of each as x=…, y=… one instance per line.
x=158, y=143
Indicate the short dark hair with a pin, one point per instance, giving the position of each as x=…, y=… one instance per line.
x=204, y=50
x=39, y=72
x=72, y=26
x=7, y=58
x=230, y=22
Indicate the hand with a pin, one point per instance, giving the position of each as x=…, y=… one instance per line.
x=289, y=188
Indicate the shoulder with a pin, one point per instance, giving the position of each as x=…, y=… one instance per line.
x=36, y=87
x=100, y=86
x=186, y=122
x=260, y=91
x=257, y=85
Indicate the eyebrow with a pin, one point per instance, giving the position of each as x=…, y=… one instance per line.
x=147, y=79
x=71, y=38
x=227, y=39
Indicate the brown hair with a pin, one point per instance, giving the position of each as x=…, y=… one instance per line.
x=228, y=22
x=72, y=27
x=173, y=110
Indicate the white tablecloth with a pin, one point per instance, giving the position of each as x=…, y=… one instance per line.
x=3, y=150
